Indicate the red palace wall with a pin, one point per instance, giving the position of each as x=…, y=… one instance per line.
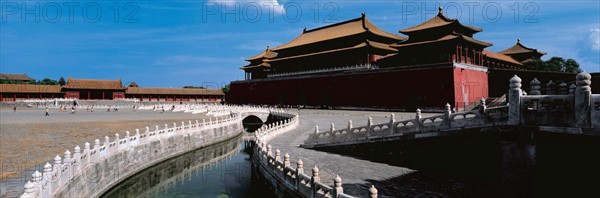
x=469, y=86
x=385, y=88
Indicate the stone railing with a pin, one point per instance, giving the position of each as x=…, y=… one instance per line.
x=204, y=108
x=354, y=67
x=279, y=172
x=563, y=106
x=574, y=107
x=94, y=107
x=414, y=128
x=50, y=100
x=97, y=168
x=267, y=132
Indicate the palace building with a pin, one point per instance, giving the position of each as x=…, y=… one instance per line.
x=356, y=64
x=352, y=43
x=521, y=53
x=16, y=77
x=93, y=89
x=86, y=89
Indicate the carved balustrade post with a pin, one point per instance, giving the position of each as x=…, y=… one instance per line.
x=392, y=121
x=583, y=100
x=572, y=89
x=482, y=107
x=563, y=89
x=313, y=180
x=332, y=136
x=550, y=89
x=369, y=124
x=418, y=120
x=447, y=113
x=535, y=87
x=337, y=187
x=514, y=100
x=299, y=171
x=373, y=192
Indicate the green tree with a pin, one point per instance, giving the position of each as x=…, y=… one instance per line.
x=47, y=81
x=554, y=64
x=571, y=66
x=61, y=81
x=535, y=64
x=557, y=64
x=226, y=89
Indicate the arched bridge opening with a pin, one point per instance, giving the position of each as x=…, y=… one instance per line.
x=251, y=123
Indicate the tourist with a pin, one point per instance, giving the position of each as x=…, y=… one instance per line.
x=14, y=109
x=72, y=109
x=47, y=112
x=92, y=109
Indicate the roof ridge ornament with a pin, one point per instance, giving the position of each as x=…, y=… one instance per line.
x=440, y=10
x=518, y=40
x=364, y=20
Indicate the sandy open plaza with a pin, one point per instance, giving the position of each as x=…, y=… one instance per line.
x=29, y=139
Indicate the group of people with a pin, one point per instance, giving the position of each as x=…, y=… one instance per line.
x=62, y=109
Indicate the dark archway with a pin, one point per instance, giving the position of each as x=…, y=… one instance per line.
x=252, y=123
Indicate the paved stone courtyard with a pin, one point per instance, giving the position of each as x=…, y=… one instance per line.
x=357, y=174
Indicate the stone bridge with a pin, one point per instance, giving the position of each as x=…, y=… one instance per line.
x=280, y=174
x=572, y=109
x=262, y=114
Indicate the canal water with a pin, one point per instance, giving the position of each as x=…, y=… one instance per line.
x=219, y=170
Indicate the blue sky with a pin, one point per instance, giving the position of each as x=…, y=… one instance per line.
x=203, y=43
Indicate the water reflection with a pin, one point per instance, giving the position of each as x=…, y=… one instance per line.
x=220, y=170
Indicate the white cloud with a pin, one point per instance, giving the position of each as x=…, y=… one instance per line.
x=588, y=51
x=266, y=5
x=594, y=38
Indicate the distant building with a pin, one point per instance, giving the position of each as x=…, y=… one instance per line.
x=174, y=94
x=93, y=89
x=87, y=89
x=356, y=64
x=521, y=53
x=16, y=77
x=14, y=92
